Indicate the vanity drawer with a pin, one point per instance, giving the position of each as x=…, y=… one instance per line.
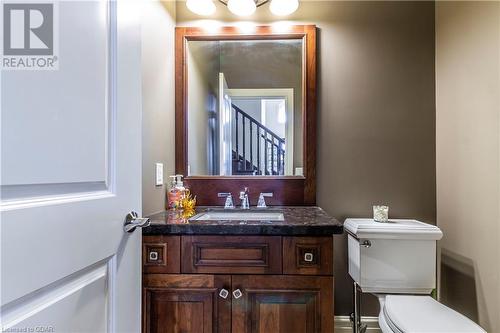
x=308, y=255
x=231, y=254
x=161, y=254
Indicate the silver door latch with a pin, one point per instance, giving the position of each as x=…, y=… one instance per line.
x=133, y=221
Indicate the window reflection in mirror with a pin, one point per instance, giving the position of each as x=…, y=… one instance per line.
x=245, y=107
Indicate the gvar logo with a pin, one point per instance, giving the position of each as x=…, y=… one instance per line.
x=29, y=36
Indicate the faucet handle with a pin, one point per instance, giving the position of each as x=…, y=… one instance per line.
x=243, y=193
x=262, y=201
x=229, y=199
x=244, y=199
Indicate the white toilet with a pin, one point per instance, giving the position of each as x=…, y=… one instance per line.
x=396, y=261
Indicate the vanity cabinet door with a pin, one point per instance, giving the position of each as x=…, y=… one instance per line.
x=282, y=304
x=186, y=303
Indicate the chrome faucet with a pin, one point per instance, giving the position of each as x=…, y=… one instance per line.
x=244, y=199
x=229, y=200
x=262, y=201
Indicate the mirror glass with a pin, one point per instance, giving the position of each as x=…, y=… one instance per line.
x=244, y=100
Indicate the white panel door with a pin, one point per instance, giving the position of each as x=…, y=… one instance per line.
x=70, y=172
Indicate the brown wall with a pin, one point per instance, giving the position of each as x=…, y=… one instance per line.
x=376, y=113
x=468, y=157
x=158, y=91
x=376, y=118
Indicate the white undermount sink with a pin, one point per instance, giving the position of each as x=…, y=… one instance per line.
x=238, y=216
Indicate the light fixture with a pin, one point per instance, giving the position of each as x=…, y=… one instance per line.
x=283, y=7
x=241, y=7
x=246, y=27
x=201, y=7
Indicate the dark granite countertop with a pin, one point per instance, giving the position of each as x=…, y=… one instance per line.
x=305, y=221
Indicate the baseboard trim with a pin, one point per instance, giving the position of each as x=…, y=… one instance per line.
x=343, y=324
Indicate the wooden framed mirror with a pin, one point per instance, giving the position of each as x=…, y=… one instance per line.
x=245, y=112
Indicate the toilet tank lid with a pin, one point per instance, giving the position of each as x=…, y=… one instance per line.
x=394, y=229
x=426, y=315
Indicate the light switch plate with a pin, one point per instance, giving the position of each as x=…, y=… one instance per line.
x=159, y=174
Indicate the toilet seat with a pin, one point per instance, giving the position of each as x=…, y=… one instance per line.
x=423, y=314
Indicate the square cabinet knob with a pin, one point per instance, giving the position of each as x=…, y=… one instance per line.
x=237, y=293
x=153, y=255
x=223, y=293
x=308, y=257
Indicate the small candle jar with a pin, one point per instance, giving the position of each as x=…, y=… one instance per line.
x=381, y=214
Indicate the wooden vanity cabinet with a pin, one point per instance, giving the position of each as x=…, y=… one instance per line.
x=174, y=303
x=239, y=284
x=282, y=304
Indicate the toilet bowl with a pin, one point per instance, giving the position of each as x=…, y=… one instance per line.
x=396, y=261
x=422, y=314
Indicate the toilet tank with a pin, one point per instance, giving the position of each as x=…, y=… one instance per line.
x=394, y=257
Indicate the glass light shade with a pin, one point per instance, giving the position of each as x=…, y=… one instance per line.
x=241, y=7
x=201, y=7
x=283, y=7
